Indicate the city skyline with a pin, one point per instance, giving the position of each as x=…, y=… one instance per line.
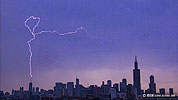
x=143, y=28
x=136, y=82
x=105, y=91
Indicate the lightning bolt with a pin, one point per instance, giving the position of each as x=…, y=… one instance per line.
x=34, y=36
x=32, y=31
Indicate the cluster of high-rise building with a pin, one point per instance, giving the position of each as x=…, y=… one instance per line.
x=107, y=91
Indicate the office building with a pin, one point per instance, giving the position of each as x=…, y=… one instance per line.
x=171, y=91
x=70, y=88
x=162, y=91
x=136, y=77
x=152, y=85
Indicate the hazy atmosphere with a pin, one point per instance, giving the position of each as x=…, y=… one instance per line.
x=117, y=30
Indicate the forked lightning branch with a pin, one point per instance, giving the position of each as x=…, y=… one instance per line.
x=32, y=31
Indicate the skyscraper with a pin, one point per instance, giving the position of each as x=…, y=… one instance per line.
x=131, y=92
x=136, y=77
x=102, y=83
x=77, y=82
x=21, y=89
x=152, y=85
x=162, y=91
x=70, y=88
x=1, y=94
x=37, y=89
x=171, y=91
x=30, y=87
x=109, y=83
x=59, y=89
x=113, y=93
x=77, y=88
x=123, y=85
x=116, y=86
x=124, y=80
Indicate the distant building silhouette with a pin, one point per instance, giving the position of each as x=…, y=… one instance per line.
x=131, y=92
x=77, y=82
x=30, y=87
x=33, y=90
x=7, y=94
x=162, y=91
x=113, y=93
x=77, y=91
x=152, y=85
x=37, y=89
x=171, y=91
x=21, y=89
x=136, y=77
x=1, y=94
x=102, y=83
x=59, y=89
x=116, y=87
x=70, y=88
x=109, y=83
x=123, y=86
x=106, y=89
x=124, y=80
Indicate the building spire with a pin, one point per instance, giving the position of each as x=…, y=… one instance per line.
x=136, y=63
x=135, y=58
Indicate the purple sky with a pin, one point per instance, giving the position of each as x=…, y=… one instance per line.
x=146, y=28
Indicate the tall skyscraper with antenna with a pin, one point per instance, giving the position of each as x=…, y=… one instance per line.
x=136, y=77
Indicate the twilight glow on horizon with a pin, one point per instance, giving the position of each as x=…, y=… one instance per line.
x=147, y=29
